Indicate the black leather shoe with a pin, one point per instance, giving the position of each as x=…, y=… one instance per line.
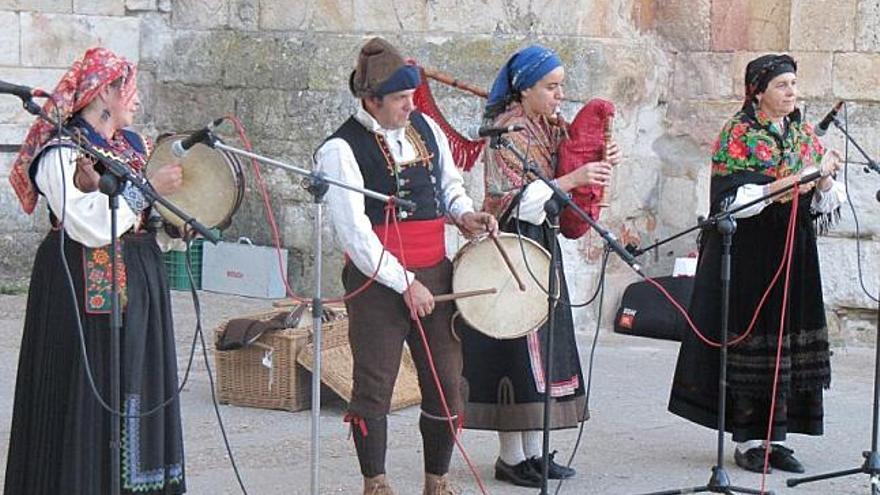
x=555, y=471
x=751, y=460
x=522, y=474
x=782, y=457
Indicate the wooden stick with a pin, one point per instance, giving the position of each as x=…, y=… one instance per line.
x=455, y=83
x=458, y=295
x=507, y=262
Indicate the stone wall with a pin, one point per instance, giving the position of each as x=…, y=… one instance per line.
x=673, y=67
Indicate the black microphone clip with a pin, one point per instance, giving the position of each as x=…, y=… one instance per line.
x=204, y=135
x=490, y=131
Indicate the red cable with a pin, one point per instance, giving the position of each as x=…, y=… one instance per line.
x=792, y=227
x=452, y=427
x=697, y=332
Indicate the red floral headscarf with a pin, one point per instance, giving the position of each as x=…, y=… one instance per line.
x=76, y=89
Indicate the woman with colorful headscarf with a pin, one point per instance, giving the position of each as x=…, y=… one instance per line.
x=506, y=377
x=60, y=435
x=765, y=147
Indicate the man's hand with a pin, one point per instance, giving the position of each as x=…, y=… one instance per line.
x=418, y=299
x=473, y=224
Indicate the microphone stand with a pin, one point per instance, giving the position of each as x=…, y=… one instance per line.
x=553, y=207
x=725, y=224
x=317, y=184
x=112, y=182
x=871, y=466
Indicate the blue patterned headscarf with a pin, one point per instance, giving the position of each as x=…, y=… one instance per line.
x=525, y=68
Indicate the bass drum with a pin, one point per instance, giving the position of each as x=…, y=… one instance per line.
x=510, y=313
x=213, y=185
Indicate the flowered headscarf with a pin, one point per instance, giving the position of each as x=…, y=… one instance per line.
x=76, y=89
x=524, y=68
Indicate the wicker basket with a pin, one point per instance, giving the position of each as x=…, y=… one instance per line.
x=244, y=380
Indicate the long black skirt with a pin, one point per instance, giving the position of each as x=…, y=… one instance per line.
x=505, y=378
x=805, y=366
x=60, y=434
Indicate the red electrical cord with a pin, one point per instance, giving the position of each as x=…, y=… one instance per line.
x=453, y=429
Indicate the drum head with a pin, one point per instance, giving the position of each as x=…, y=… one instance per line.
x=212, y=183
x=510, y=313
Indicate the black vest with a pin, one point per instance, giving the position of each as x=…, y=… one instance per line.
x=419, y=182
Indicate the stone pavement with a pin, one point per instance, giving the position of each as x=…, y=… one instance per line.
x=631, y=445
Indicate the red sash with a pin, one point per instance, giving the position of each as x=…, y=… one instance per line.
x=423, y=241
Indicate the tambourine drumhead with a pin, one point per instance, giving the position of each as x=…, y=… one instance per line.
x=212, y=183
x=510, y=313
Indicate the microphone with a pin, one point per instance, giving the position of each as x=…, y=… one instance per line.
x=180, y=147
x=822, y=128
x=490, y=131
x=23, y=92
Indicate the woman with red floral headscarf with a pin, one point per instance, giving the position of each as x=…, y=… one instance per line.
x=60, y=434
x=764, y=148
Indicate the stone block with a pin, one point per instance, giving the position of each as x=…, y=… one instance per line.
x=403, y=15
x=9, y=4
x=703, y=76
x=140, y=5
x=701, y=120
x=594, y=18
x=157, y=37
x=244, y=14
x=822, y=25
x=9, y=39
x=284, y=15
x=627, y=74
x=99, y=7
x=266, y=61
x=44, y=6
x=175, y=107
x=838, y=260
x=262, y=111
x=55, y=40
x=868, y=26
x=163, y=5
x=750, y=25
x=487, y=17
x=195, y=57
x=684, y=24
x=200, y=14
x=857, y=76
x=813, y=79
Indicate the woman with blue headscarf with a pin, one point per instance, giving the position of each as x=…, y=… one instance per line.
x=506, y=381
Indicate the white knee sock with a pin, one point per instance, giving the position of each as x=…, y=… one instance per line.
x=511, y=447
x=533, y=443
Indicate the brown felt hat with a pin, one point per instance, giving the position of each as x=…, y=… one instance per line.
x=379, y=63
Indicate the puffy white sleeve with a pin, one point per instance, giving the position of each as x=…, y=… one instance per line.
x=86, y=215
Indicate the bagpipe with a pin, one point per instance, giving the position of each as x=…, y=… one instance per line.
x=587, y=137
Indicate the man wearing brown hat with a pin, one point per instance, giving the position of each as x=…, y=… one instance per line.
x=390, y=148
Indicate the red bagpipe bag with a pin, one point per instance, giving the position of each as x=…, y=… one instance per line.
x=585, y=144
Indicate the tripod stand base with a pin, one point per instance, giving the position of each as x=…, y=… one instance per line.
x=718, y=483
x=871, y=467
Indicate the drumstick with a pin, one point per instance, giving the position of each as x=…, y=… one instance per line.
x=458, y=295
x=507, y=262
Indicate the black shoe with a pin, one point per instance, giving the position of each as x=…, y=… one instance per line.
x=522, y=474
x=751, y=460
x=782, y=457
x=555, y=471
